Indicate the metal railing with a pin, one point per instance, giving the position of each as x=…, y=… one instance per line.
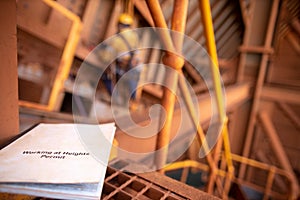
x=220, y=179
x=65, y=61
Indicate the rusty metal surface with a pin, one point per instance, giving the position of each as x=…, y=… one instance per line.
x=8, y=75
x=119, y=185
x=178, y=187
x=152, y=185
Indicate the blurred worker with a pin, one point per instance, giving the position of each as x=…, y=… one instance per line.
x=122, y=47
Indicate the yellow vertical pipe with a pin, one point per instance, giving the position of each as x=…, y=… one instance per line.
x=212, y=51
x=66, y=59
x=65, y=64
x=68, y=53
x=210, y=43
x=179, y=25
x=175, y=62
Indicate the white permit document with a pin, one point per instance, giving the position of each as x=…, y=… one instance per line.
x=58, y=160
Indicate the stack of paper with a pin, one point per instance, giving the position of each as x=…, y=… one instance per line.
x=58, y=161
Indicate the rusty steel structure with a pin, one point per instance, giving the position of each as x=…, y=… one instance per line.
x=168, y=99
x=254, y=51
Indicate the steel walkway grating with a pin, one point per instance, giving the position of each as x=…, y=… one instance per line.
x=119, y=185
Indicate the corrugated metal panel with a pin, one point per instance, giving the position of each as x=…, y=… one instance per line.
x=226, y=18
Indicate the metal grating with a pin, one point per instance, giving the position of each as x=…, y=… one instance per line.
x=123, y=186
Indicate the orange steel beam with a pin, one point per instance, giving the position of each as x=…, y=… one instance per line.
x=255, y=49
x=143, y=9
x=248, y=16
x=175, y=62
x=295, y=23
x=278, y=148
x=163, y=137
x=259, y=85
x=160, y=22
x=9, y=118
x=293, y=40
x=179, y=22
x=261, y=156
x=179, y=17
x=290, y=113
x=169, y=59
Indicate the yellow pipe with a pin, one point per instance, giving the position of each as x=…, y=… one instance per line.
x=192, y=164
x=212, y=51
x=186, y=164
x=257, y=164
x=226, y=143
x=228, y=158
x=66, y=59
x=68, y=53
x=64, y=11
x=238, y=158
x=33, y=105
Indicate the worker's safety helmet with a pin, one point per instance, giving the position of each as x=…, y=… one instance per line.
x=125, y=19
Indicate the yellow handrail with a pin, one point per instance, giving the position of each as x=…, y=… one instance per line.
x=237, y=158
x=66, y=59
